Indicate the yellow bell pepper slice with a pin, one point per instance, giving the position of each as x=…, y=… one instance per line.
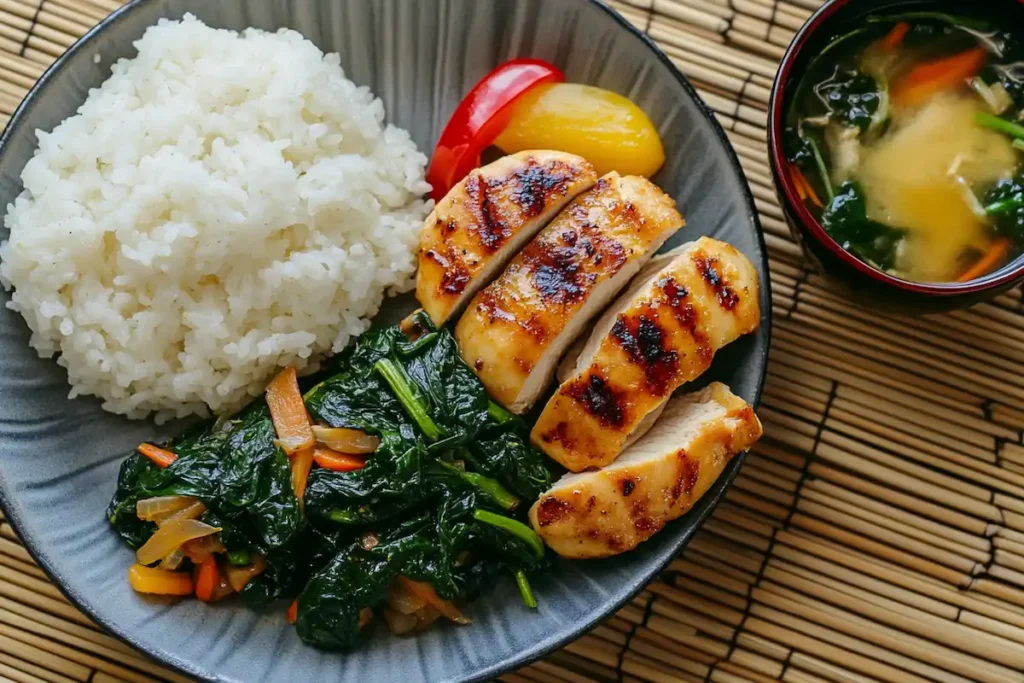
x=158, y=581
x=601, y=126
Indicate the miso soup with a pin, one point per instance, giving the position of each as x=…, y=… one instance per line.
x=905, y=139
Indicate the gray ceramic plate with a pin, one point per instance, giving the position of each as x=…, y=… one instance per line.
x=59, y=457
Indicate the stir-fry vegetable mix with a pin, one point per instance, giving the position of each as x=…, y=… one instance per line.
x=426, y=520
x=892, y=64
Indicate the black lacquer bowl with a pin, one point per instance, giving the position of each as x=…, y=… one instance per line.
x=59, y=457
x=863, y=282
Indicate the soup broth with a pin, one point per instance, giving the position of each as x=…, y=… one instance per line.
x=906, y=140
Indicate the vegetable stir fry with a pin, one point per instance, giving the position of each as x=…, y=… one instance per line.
x=392, y=487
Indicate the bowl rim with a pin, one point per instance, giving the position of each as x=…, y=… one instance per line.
x=640, y=581
x=797, y=208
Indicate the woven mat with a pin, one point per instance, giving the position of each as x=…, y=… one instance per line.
x=876, y=534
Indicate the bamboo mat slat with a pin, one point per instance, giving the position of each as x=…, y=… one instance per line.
x=876, y=534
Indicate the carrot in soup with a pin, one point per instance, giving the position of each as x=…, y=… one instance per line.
x=804, y=187
x=894, y=38
x=931, y=78
x=992, y=258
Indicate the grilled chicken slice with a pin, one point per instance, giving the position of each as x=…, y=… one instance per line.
x=611, y=510
x=487, y=218
x=516, y=329
x=662, y=333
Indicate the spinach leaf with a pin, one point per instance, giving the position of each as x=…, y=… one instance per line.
x=289, y=568
x=399, y=475
x=193, y=473
x=458, y=402
x=238, y=472
x=356, y=578
x=256, y=482
x=444, y=546
x=389, y=485
x=798, y=148
x=1004, y=204
x=506, y=455
x=435, y=498
x=356, y=401
x=845, y=220
x=851, y=97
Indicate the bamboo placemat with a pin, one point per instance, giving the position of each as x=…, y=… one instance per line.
x=877, y=533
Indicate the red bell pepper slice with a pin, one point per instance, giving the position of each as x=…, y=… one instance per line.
x=480, y=118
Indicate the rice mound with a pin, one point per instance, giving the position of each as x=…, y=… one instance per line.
x=224, y=205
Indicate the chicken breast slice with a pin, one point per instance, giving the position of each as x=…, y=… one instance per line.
x=516, y=329
x=567, y=367
x=486, y=219
x=612, y=510
x=651, y=341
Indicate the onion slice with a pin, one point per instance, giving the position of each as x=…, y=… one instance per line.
x=155, y=509
x=427, y=593
x=427, y=616
x=345, y=440
x=199, y=549
x=173, y=561
x=398, y=623
x=404, y=601
x=170, y=537
x=193, y=511
x=238, y=577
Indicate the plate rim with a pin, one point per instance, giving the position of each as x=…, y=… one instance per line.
x=640, y=581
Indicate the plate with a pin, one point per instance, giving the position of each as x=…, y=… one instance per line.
x=59, y=457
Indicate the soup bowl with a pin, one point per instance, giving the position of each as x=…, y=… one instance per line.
x=862, y=281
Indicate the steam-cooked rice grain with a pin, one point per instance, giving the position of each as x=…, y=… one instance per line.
x=222, y=206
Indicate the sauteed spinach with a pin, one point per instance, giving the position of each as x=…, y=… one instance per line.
x=441, y=497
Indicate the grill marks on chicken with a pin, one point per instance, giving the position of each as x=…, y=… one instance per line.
x=639, y=458
x=485, y=219
x=659, y=478
x=515, y=329
x=652, y=340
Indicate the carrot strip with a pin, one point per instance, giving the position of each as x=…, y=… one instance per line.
x=426, y=592
x=986, y=263
x=797, y=177
x=288, y=411
x=926, y=80
x=161, y=457
x=894, y=38
x=208, y=579
x=804, y=184
x=339, y=462
x=293, y=612
x=302, y=463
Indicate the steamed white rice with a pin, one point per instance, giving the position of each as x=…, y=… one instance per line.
x=224, y=205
